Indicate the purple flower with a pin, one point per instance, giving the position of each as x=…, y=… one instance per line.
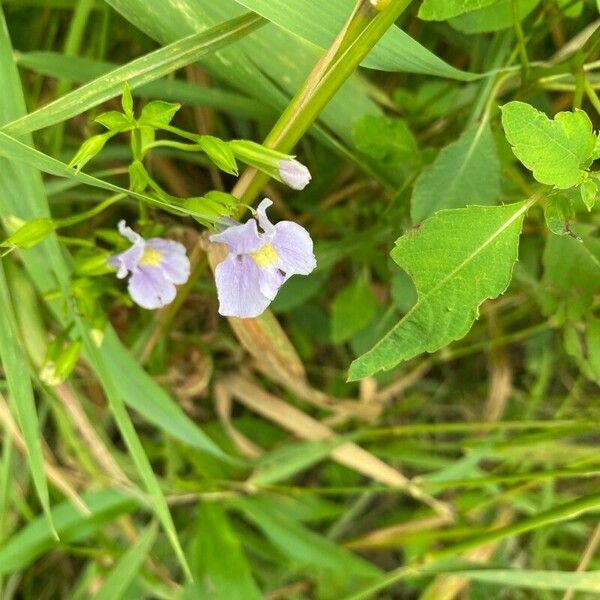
x=294, y=174
x=155, y=265
x=259, y=263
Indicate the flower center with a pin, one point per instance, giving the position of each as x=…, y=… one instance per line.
x=150, y=258
x=265, y=256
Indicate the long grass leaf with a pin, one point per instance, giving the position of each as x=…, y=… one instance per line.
x=136, y=73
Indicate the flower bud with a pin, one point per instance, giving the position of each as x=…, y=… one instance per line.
x=294, y=174
x=29, y=233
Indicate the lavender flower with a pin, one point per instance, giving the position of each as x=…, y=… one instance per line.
x=259, y=263
x=155, y=265
x=294, y=174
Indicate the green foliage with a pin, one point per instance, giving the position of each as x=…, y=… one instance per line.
x=352, y=309
x=457, y=259
x=558, y=151
x=389, y=140
x=158, y=441
x=440, y=10
x=464, y=172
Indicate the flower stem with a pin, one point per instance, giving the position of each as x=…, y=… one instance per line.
x=363, y=30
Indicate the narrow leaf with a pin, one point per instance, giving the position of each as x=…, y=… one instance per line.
x=136, y=73
x=127, y=567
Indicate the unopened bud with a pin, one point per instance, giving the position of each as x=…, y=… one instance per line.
x=294, y=174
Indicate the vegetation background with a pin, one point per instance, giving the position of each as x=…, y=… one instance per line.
x=176, y=454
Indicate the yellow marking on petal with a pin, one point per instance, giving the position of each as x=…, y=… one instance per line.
x=151, y=257
x=265, y=256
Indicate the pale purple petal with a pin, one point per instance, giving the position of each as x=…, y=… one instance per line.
x=269, y=281
x=263, y=220
x=238, y=288
x=174, y=262
x=294, y=248
x=294, y=174
x=129, y=233
x=241, y=239
x=150, y=288
x=127, y=262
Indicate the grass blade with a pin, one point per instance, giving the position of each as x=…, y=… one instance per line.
x=136, y=73
x=127, y=567
x=21, y=395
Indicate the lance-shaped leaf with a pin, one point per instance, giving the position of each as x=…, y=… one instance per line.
x=457, y=259
x=558, y=151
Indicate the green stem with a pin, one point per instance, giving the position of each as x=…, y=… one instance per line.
x=365, y=28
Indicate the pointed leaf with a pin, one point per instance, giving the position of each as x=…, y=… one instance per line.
x=457, y=259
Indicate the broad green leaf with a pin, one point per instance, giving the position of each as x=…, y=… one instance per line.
x=457, y=259
x=385, y=139
x=301, y=544
x=136, y=73
x=126, y=568
x=35, y=539
x=557, y=151
x=440, y=10
x=319, y=22
x=214, y=540
x=83, y=70
x=15, y=366
x=465, y=172
x=537, y=580
x=494, y=17
x=352, y=310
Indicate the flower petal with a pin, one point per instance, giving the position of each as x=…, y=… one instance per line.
x=129, y=233
x=150, y=288
x=174, y=261
x=240, y=239
x=294, y=248
x=269, y=281
x=238, y=288
x=263, y=220
x=127, y=262
x=294, y=174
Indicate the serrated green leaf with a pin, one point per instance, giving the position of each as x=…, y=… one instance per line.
x=557, y=151
x=465, y=172
x=440, y=10
x=352, y=310
x=385, y=139
x=457, y=259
